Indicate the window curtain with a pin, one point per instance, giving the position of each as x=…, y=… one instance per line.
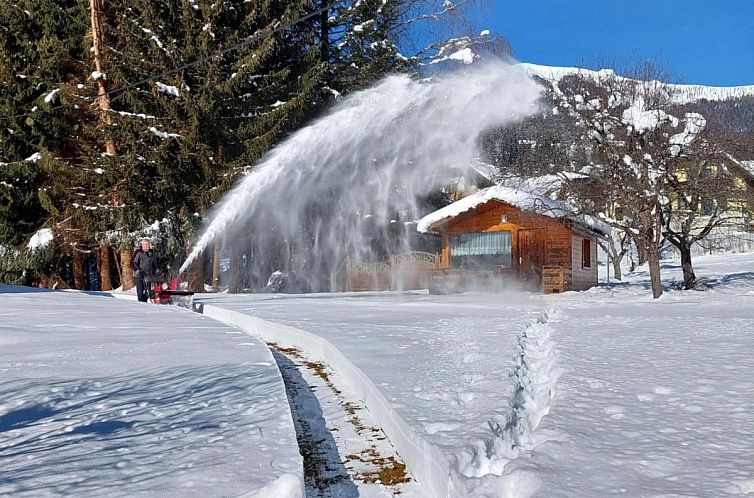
x=481, y=244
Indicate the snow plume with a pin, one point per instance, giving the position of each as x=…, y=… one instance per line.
x=332, y=189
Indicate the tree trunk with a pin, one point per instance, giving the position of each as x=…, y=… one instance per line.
x=653, y=259
x=642, y=254
x=103, y=100
x=126, y=273
x=324, y=33
x=617, y=272
x=216, y=267
x=689, y=278
x=78, y=270
x=195, y=278
x=616, y=257
x=235, y=284
x=104, y=269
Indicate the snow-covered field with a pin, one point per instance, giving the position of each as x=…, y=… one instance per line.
x=599, y=393
x=582, y=394
x=104, y=397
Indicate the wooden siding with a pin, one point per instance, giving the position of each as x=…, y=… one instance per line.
x=557, y=258
x=583, y=278
x=486, y=218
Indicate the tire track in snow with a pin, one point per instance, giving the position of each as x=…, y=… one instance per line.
x=535, y=375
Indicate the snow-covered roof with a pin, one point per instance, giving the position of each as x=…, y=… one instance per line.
x=486, y=170
x=680, y=94
x=544, y=185
x=748, y=166
x=518, y=198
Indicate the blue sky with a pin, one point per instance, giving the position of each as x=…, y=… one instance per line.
x=708, y=42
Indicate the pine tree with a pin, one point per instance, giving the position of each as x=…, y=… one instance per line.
x=40, y=44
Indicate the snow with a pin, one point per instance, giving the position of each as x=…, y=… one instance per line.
x=592, y=393
x=208, y=28
x=748, y=165
x=544, y=185
x=680, y=94
x=485, y=32
x=98, y=75
x=162, y=134
x=52, y=97
x=360, y=27
x=464, y=55
x=167, y=89
x=655, y=398
x=644, y=120
x=106, y=397
x=40, y=240
x=518, y=198
x=154, y=38
x=486, y=170
x=695, y=123
x=33, y=158
x=361, y=336
x=135, y=115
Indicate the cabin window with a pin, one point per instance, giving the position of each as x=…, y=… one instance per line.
x=481, y=250
x=586, y=253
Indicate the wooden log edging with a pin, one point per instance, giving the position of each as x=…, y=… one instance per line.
x=424, y=460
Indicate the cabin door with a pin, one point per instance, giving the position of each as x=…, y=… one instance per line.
x=530, y=258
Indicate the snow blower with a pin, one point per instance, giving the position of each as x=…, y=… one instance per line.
x=160, y=292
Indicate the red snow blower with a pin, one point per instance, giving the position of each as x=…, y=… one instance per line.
x=160, y=292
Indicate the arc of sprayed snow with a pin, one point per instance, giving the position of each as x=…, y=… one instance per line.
x=458, y=107
x=234, y=203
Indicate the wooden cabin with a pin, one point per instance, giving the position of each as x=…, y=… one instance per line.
x=501, y=238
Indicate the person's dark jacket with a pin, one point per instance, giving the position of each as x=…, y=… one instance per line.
x=145, y=263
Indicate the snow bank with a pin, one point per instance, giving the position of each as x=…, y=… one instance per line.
x=518, y=198
x=536, y=374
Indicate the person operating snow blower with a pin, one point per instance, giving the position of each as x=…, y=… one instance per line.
x=144, y=265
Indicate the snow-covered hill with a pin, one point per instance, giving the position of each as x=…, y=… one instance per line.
x=681, y=94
